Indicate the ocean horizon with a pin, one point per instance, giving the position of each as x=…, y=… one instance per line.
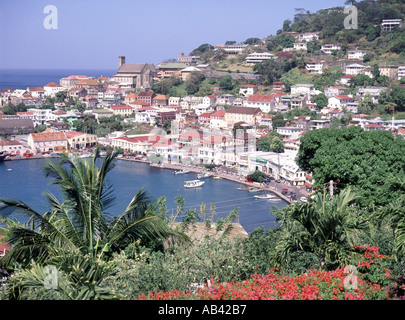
x=23, y=78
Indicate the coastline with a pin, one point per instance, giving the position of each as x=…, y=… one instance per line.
x=275, y=188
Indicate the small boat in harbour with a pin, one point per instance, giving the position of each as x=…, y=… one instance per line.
x=204, y=175
x=217, y=178
x=3, y=155
x=243, y=188
x=193, y=184
x=275, y=199
x=251, y=189
x=265, y=196
x=181, y=172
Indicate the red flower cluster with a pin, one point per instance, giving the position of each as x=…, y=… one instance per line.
x=340, y=284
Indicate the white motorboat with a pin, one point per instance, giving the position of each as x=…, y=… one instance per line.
x=204, y=175
x=193, y=184
x=265, y=196
x=181, y=172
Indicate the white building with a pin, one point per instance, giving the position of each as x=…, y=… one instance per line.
x=259, y=57
x=315, y=67
x=329, y=48
x=356, y=54
x=309, y=36
x=232, y=49
x=300, y=46
x=302, y=89
x=401, y=72
x=52, y=88
x=42, y=116
x=391, y=24
x=355, y=69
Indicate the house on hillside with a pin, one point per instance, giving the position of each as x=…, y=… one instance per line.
x=242, y=114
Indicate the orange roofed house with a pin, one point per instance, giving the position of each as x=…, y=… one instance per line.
x=48, y=142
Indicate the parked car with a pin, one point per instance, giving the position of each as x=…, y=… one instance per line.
x=304, y=199
x=285, y=191
x=278, y=181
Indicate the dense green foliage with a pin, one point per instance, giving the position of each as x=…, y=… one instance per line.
x=352, y=156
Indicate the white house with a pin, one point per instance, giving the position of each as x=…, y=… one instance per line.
x=355, y=69
x=302, y=89
x=52, y=88
x=309, y=36
x=259, y=57
x=334, y=90
x=401, y=72
x=300, y=46
x=42, y=116
x=246, y=90
x=391, y=24
x=356, y=54
x=315, y=67
x=329, y=48
x=340, y=101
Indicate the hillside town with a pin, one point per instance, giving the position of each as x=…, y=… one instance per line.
x=221, y=128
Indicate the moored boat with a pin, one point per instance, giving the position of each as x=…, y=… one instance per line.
x=204, y=175
x=265, y=196
x=193, y=184
x=252, y=189
x=217, y=178
x=181, y=172
x=3, y=155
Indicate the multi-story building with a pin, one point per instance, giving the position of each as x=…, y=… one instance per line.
x=330, y=48
x=391, y=24
x=70, y=82
x=52, y=88
x=242, y=114
x=315, y=67
x=42, y=116
x=401, y=72
x=389, y=71
x=232, y=48
x=48, y=142
x=258, y=57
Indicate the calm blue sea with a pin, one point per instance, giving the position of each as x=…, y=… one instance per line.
x=23, y=78
x=24, y=180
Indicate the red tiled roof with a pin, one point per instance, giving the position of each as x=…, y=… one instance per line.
x=53, y=84
x=72, y=134
x=48, y=136
x=219, y=113
x=121, y=107
x=261, y=98
x=205, y=115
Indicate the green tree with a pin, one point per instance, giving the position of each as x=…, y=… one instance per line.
x=278, y=121
x=273, y=142
x=226, y=83
x=80, y=226
x=321, y=100
x=257, y=176
x=323, y=227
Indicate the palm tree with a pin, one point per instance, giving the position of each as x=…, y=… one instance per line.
x=324, y=227
x=80, y=225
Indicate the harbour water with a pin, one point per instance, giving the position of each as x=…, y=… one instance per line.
x=24, y=180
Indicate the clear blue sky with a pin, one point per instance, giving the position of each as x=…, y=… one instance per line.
x=92, y=34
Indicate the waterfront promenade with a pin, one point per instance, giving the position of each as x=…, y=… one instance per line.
x=273, y=187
